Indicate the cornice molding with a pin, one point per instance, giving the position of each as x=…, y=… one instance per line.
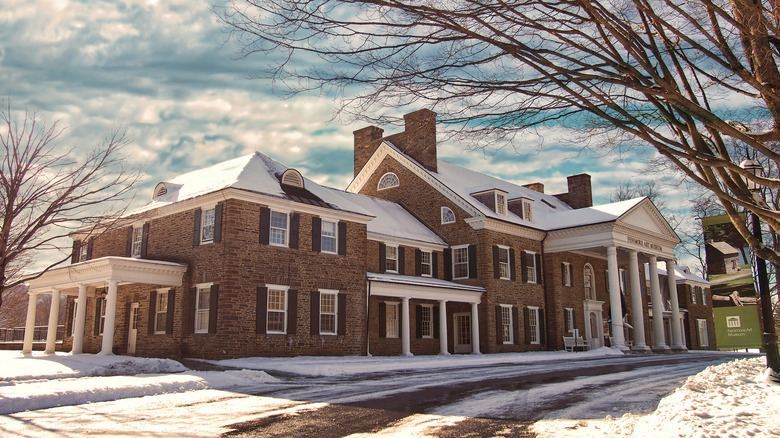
x=491, y=224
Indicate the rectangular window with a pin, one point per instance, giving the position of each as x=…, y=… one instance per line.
x=566, y=274
x=206, y=226
x=391, y=259
x=391, y=320
x=460, y=262
x=506, y=324
x=202, y=301
x=102, y=315
x=704, y=337
x=278, y=234
x=503, y=263
x=138, y=235
x=84, y=252
x=622, y=280
x=327, y=313
x=533, y=324
x=500, y=203
x=329, y=238
x=161, y=312
x=528, y=211
x=530, y=266
x=693, y=294
x=426, y=269
x=277, y=310
x=427, y=321
x=570, y=320
x=703, y=292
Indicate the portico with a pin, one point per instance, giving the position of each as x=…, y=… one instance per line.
x=83, y=280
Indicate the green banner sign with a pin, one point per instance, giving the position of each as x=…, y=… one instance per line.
x=737, y=327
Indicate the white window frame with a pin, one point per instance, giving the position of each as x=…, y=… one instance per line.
x=703, y=330
x=570, y=319
x=102, y=316
x=500, y=201
x=424, y=263
x=507, y=324
x=391, y=319
x=447, y=216
x=693, y=294
x=464, y=249
x=504, y=267
x=567, y=272
x=528, y=210
x=427, y=321
x=394, y=258
x=533, y=324
x=138, y=238
x=207, y=222
x=199, y=311
x=283, y=311
x=388, y=181
x=84, y=251
x=160, y=308
x=334, y=295
x=329, y=237
x=530, y=267
x=285, y=230
x=588, y=285
x=703, y=295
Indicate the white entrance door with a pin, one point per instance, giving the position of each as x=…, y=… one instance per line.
x=462, y=325
x=132, y=334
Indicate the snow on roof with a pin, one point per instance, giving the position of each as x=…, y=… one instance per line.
x=422, y=281
x=724, y=248
x=591, y=215
x=681, y=274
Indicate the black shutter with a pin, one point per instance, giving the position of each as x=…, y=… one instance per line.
x=382, y=320
x=196, y=228
x=144, y=240
x=189, y=317
x=218, y=222
x=129, y=243
x=571, y=275
x=563, y=274
x=435, y=265
x=539, y=279
x=152, y=310
x=472, y=261
x=74, y=256
x=261, y=310
x=295, y=226
x=448, y=263
x=436, y=323
x=401, y=260
x=418, y=320
x=341, y=330
x=523, y=268
x=314, y=321
x=316, y=234
x=342, y=238
x=496, y=264
x=169, y=316
x=566, y=327
x=98, y=304
x=499, y=325
x=265, y=225
x=89, y=248
x=527, y=326
x=573, y=319
x=213, y=303
x=512, y=266
x=292, y=312
x=541, y=326
x=417, y=263
x=516, y=324
x=382, y=258
x=69, y=326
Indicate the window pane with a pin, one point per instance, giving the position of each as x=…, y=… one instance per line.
x=328, y=243
x=506, y=323
x=461, y=262
x=391, y=313
x=530, y=263
x=391, y=258
x=425, y=263
x=202, y=310
x=278, y=228
x=427, y=322
x=137, y=238
x=447, y=215
x=207, y=226
x=327, y=313
x=533, y=323
x=503, y=262
x=203, y=298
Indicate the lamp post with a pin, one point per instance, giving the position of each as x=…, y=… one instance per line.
x=769, y=338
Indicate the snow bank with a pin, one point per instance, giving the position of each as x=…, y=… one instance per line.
x=16, y=366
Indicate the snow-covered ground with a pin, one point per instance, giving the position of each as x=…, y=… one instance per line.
x=51, y=395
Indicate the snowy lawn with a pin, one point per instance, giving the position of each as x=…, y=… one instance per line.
x=734, y=399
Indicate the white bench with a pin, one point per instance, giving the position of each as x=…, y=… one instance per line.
x=569, y=343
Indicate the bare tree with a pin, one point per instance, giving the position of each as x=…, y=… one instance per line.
x=48, y=191
x=647, y=73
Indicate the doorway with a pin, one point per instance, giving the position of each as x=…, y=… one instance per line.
x=132, y=333
x=462, y=332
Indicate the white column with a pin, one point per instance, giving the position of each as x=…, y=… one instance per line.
x=659, y=343
x=636, y=303
x=54, y=318
x=405, y=346
x=29, y=328
x=677, y=342
x=108, y=326
x=475, y=329
x=443, y=328
x=615, y=307
x=81, y=316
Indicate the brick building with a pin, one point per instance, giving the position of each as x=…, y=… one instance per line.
x=696, y=303
x=417, y=256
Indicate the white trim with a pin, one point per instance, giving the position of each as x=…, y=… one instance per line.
x=388, y=175
x=459, y=247
x=508, y=262
x=511, y=324
x=383, y=238
x=492, y=224
x=198, y=288
x=531, y=255
x=286, y=214
x=431, y=328
x=397, y=326
x=445, y=209
x=429, y=264
x=335, y=236
x=286, y=305
x=158, y=299
x=592, y=295
x=397, y=261
x=335, y=294
x=535, y=328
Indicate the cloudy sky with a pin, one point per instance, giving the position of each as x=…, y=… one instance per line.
x=163, y=70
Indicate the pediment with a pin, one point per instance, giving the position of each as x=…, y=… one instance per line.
x=646, y=218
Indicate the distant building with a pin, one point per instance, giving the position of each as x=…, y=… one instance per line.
x=722, y=258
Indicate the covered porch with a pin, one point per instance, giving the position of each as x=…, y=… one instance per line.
x=83, y=280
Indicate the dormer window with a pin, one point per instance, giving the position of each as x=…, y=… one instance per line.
x=165, y=191
x=292, y=177
x=388, y=180
x=493, y=199
x=528, y=210
x=160, y=190
x=500, y=203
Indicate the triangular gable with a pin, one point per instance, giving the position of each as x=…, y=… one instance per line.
x=645, y=216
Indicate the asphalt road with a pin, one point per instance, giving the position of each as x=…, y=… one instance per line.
x=495, y=400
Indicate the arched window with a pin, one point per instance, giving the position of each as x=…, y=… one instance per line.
x=447, y=215
x=387, y=181
x=590, y=289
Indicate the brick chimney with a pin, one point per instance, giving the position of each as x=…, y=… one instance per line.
x=537, y=187
x=418, y=140
x=367, y=140
x=579, y=195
